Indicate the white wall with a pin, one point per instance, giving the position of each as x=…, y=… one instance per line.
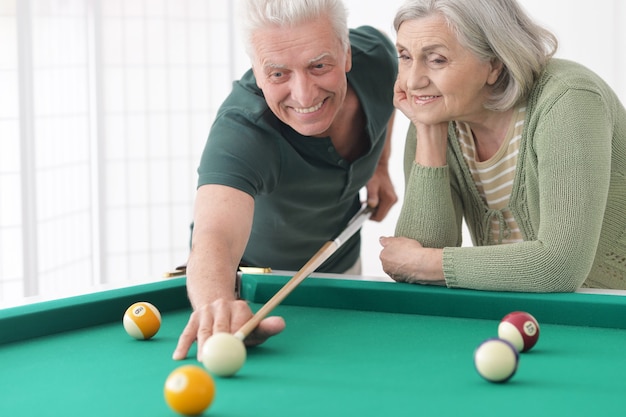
x=129, y=88
x=105, y=106
x=592, y=35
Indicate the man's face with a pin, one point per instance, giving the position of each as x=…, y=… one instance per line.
x=302, y=72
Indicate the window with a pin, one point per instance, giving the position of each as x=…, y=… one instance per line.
x=104, y=110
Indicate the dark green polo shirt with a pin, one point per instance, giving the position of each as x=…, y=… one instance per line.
x=304, y=192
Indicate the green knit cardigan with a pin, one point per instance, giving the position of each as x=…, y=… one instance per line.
x=568, y=196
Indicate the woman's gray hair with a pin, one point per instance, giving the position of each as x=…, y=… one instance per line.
x=260, y=14
x=492, y=29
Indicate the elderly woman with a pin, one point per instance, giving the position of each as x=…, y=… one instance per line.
x=529, y=149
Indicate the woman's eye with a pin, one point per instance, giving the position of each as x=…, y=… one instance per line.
x=436, y=61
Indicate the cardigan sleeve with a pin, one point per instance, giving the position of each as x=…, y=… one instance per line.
x=564, y=170
x=430, y=211
x=565, y=167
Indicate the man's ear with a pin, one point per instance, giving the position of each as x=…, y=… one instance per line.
x=349, y=59
x=256, y=77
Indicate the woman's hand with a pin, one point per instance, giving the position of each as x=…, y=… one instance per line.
x=401, y=101
x=432, y=139
x=406, y=260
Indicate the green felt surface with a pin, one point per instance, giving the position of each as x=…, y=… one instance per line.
x=328, y=362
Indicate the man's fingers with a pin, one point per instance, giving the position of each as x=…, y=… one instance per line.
x=223, y=316
x=205, y=328
x=269, y=327
x=186, y=339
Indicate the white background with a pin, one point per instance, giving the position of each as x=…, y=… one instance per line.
x=105, y=106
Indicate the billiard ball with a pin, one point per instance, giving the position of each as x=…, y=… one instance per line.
x=519, y=328
x=189, y=390
x=496, y=360
x=142, y=320
x=223, y=354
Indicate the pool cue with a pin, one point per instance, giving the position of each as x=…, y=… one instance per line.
x=320, y=256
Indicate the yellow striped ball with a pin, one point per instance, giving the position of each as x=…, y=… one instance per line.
x=142, y=320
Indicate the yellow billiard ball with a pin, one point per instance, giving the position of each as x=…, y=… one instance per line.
x=142, y=320
x=189, y=390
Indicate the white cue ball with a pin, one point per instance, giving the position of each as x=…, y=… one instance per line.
x=223, y=354
x=496, y=360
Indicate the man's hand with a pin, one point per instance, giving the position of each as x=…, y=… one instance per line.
x=223, y=316
x=381, y=193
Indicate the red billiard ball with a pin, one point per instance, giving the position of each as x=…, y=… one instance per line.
x=519, y=328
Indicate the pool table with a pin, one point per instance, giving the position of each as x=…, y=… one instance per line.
x=351, y=348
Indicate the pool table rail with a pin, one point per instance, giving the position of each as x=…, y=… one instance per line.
x=576, y=309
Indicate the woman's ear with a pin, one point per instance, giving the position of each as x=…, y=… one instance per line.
x=496, y=69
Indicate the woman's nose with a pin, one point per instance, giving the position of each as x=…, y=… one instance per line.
x=417, y=78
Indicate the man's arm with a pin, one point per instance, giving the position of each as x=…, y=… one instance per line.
x=380, y=190
x=222, y=224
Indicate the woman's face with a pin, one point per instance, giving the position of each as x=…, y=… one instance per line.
x=443, y=80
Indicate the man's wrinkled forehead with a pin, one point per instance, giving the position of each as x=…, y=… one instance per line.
x=269, y=65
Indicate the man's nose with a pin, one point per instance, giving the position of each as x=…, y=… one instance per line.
x=303, y=90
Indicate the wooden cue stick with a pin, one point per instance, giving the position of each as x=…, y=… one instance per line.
x=320, y=256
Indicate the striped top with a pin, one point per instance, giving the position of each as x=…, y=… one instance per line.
x=494, y=177
x=568, y=196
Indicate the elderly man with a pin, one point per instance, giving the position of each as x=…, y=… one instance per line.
x=298, y=137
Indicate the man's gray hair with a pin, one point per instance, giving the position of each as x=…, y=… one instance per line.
x=260, y=14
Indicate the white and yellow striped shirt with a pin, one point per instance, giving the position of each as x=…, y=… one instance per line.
x=494, y=177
